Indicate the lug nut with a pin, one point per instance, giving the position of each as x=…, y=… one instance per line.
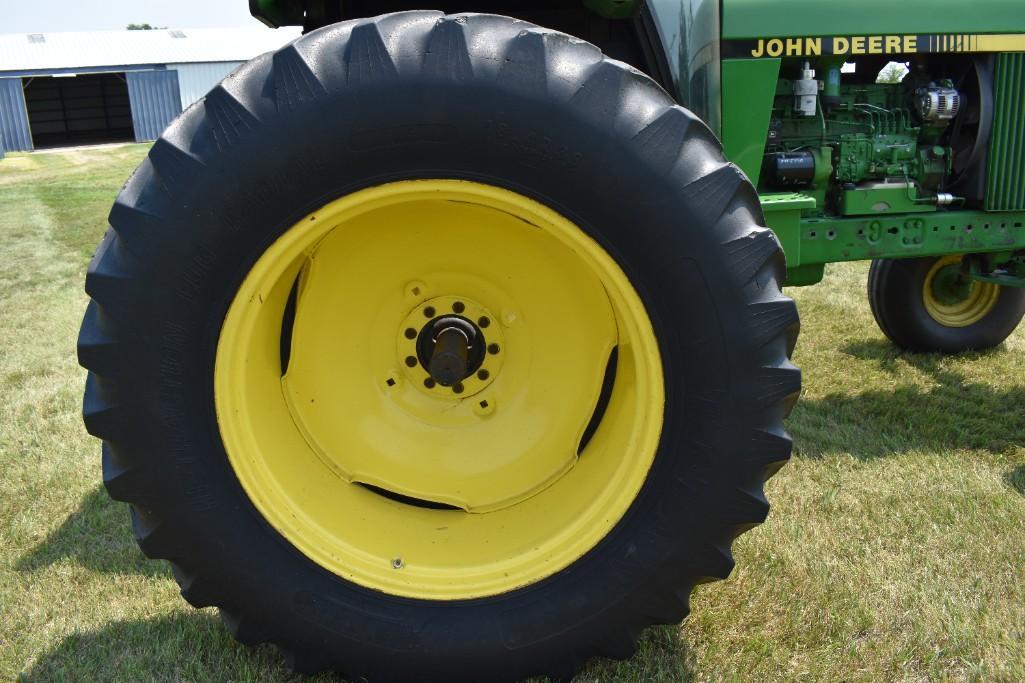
x=429, y=312
x=410, y=333
x=411, y=361
x=493, y=349
x=429, y=383
x=459, y=307
x=457, y=387
x=483, y=375
x=483, y=322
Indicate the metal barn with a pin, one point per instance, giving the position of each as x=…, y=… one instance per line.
x=59, y=89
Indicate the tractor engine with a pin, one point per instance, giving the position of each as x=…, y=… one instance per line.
x=870, y=147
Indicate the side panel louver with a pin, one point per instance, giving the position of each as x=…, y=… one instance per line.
x=1005, y=184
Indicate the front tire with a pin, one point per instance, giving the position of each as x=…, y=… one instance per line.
x=926, y=305
x=263, y=293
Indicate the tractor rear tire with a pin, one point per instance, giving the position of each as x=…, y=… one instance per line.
x=918, y=313
x=430, y=175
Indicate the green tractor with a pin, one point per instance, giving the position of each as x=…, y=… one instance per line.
x=449, y=345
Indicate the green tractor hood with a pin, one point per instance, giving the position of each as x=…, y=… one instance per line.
x=752, y=19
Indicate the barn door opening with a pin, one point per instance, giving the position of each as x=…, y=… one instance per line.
x=79, y=109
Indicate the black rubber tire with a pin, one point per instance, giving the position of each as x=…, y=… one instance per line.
x=895, y=296
x=415, y=95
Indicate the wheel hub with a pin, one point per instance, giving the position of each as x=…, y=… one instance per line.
x=450, y=345
x=951, y=286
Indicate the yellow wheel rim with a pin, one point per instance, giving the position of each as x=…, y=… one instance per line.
x=421, y=491
x=950, y=301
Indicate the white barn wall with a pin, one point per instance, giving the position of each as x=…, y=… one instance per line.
x=197, y=79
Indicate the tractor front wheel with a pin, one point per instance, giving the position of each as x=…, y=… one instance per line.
x=931, y=305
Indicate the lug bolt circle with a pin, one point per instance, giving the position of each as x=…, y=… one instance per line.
x=431, y=323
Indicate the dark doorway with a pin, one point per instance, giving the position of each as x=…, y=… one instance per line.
x=78, y=110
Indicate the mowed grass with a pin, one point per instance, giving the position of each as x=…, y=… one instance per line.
x=895, y=549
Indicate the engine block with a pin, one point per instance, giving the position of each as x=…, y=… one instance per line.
x=879, y=141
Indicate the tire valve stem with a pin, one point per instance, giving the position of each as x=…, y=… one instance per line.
x=397, y=563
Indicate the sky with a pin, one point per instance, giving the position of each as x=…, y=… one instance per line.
x=40, y=16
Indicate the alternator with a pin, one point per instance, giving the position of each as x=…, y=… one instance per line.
x=937, y=103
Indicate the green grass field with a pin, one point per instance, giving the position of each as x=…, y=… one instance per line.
x=895, y=549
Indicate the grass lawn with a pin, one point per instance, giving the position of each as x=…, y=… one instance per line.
x=895, y=550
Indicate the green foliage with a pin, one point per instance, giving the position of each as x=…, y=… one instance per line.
x=893, y=72
x=893, y=552
x=143, y=27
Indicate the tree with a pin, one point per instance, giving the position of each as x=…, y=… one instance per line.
x=142, y=27
x=893, y=72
